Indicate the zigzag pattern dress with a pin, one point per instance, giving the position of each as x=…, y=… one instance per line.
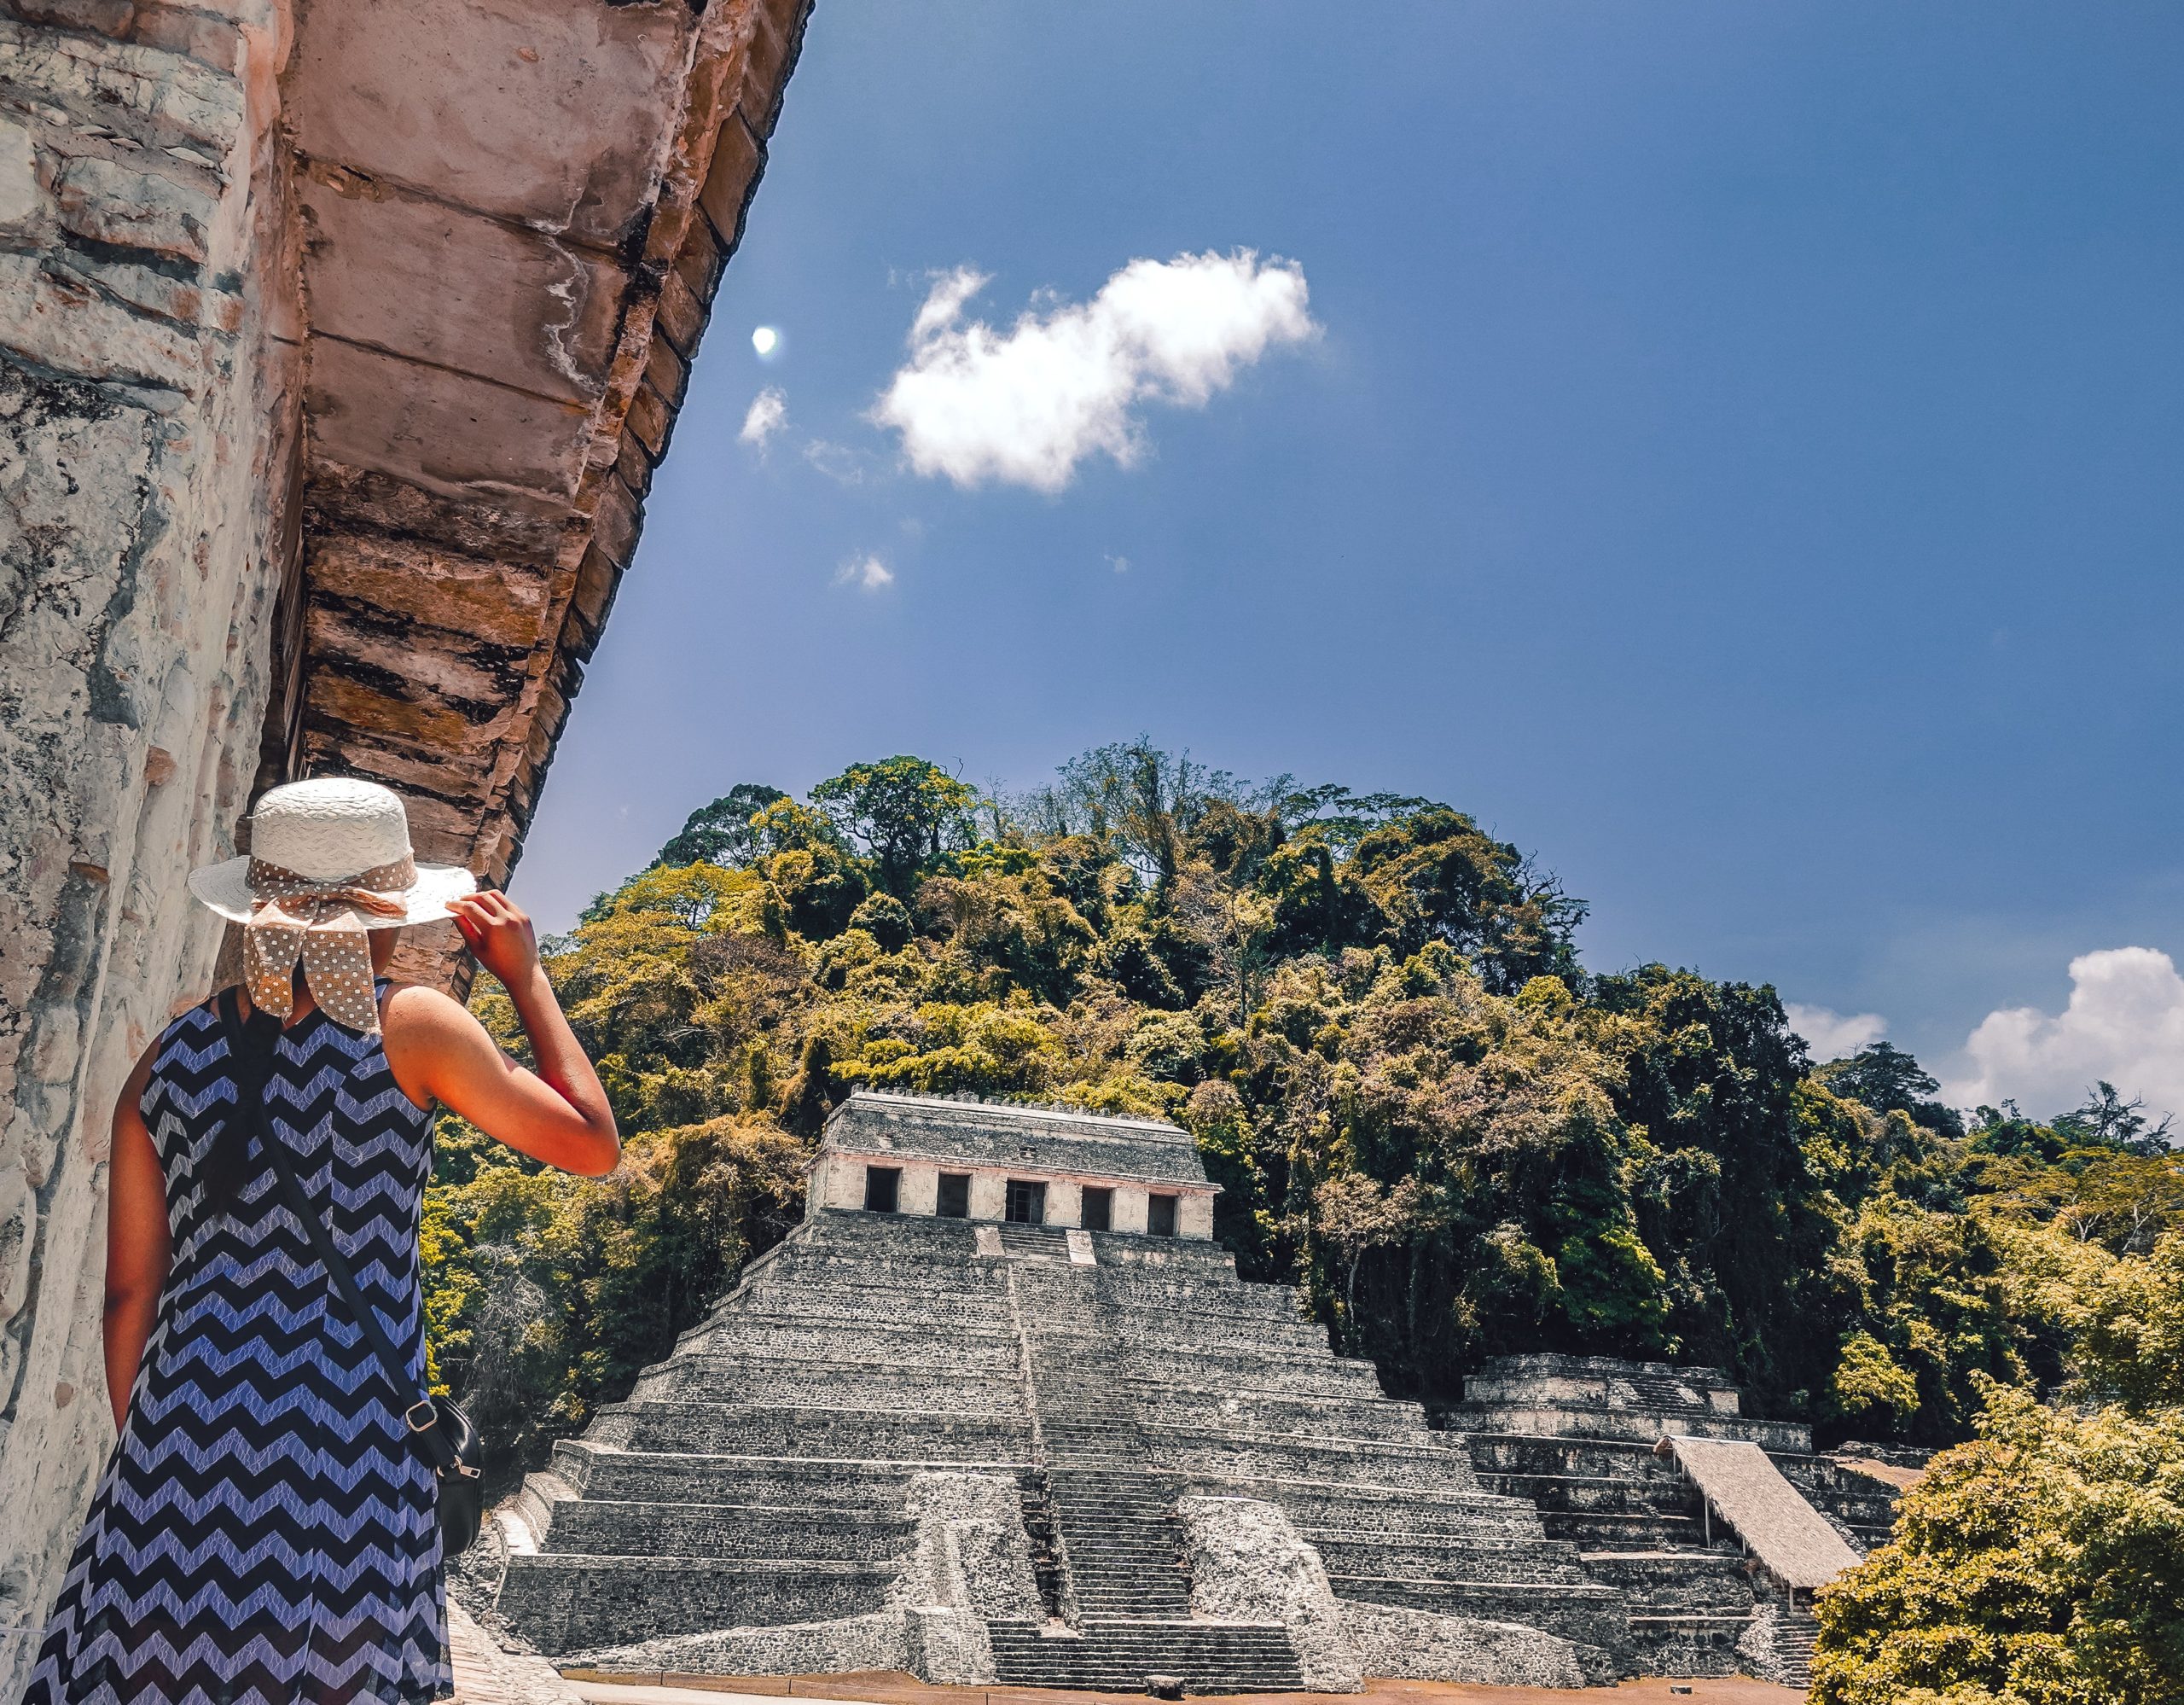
x=264, y=1534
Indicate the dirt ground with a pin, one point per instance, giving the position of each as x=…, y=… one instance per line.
x=888, y=1687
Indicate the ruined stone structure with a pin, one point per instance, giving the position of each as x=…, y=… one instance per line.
x=957, y=1432
x=337, y=342
x=1717, y=1526
x=990, y=1415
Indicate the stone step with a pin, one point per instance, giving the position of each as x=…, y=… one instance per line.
x=1210, y=1453
x=1536, y=1454
x=1264, y=1371
x=1677, y=1582
x=905, y=1310
x=597, y=1528
x=702, y=1378
x=1594, y=1531
x=858, y=1435
x=1603, y=1494
x=1448, y=1560
x=1365, y=1418
x=1591, y=1615
x=566, y=1604
x=1118, y=1655
x=838, y=1342
x=1637, y=1425
x=1326, y=1503
x=1694, y=1645
x=597, y=1471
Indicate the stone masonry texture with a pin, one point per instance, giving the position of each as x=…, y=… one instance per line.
x=338, y=339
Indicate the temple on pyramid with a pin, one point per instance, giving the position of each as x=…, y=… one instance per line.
x=999, y=1411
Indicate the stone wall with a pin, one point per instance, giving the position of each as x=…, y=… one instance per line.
x=148, y=385
x=339, y=342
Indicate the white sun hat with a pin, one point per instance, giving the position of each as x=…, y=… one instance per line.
x=332, y=831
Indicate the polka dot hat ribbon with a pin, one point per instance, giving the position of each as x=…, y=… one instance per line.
x=327, y=925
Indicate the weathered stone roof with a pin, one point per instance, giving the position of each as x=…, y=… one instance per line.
x=1005, y=1133
x=511, y=222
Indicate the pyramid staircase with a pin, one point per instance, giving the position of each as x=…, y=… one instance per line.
x=1128, y=1587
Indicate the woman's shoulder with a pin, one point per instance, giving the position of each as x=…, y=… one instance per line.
x=415, y=1003
x=420, y=1028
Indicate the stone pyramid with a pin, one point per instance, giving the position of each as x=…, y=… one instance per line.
x=1000, y=1411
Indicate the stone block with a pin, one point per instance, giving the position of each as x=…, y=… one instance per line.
x=162, y=98
x=737, y=159
x=1249, y=1564
x=446, y=431
x=565, y=112
x=111, y=203
x=61, y=323
x=419, y=278
x=105, y=17
x=22, y=198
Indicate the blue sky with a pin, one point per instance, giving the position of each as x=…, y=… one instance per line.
x=1737, y=460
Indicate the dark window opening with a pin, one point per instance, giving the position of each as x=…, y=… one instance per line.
x=1027, y=1202
x=1160, y=1216
x=1099, y=1209
x=954, y=1199
x=883, y=1188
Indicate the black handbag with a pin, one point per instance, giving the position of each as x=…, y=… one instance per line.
x=440, y=1432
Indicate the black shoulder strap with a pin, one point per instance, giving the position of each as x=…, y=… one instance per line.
x=252, y=1066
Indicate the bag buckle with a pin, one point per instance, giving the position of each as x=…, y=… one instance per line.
x=422, y=1406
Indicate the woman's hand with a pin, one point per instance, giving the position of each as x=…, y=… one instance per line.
x=499, y=935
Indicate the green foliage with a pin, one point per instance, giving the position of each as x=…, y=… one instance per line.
x=903, y=812
x=2042, y=1564
x=722, y=833
x=1886, y=1078
x=2039, y=1565
x=2132, y=1343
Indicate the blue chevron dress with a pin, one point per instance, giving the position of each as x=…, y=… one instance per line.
x=265, y=1534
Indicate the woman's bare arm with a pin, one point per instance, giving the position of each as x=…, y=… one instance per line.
x=558, y=1113
x=139, y=1241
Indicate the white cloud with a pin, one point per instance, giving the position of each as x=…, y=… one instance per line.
x=1832, y=1035
x=867, y=571
x=2124, y=1023
x=768, y=415
x=837, y=462
x=1025, y=406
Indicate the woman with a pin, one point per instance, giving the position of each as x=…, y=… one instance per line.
x=266, y=1533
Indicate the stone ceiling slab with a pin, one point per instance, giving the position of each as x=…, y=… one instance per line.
x=549, y=112
x=493, y=602
x=439, y=284
x=440, y=429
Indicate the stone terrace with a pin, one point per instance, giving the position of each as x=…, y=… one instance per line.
x=763, y=1501
x=1580, y=1438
